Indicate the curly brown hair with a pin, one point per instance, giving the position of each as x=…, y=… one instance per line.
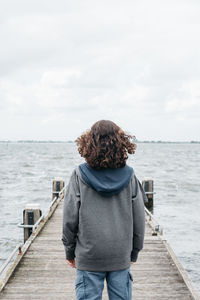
x=105, y=145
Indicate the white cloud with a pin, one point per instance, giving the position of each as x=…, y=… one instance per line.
x=185, y=101
x=180, y=105
x=59, y=78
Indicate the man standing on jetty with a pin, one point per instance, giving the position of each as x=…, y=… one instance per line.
x=103, y=214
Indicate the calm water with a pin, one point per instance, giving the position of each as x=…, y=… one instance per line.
x=27, y=171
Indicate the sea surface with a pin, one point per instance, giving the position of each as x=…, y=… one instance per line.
x=27, y=171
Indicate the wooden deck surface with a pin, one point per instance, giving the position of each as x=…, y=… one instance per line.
x=43, y=273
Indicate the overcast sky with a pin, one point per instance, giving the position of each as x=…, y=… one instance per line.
x=66, y=64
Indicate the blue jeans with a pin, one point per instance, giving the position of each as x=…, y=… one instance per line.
x=89, y=285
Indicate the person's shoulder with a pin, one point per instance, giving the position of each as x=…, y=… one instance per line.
x=78, y=170
x=81, y=166
x=130, y=170
x=74, y=173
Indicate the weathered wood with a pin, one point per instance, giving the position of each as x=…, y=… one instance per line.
x=147, y=185
x=31, y=214
x=43, y=273
x=13, y=267
x=58, y=185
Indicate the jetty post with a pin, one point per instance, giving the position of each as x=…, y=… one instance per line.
x=148, y=187
x=58, y=185
x=31, y=214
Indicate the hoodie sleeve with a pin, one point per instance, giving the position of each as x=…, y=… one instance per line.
x=138, y=200
x=71, y=217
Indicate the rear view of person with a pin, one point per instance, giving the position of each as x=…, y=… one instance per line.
x=103, y=214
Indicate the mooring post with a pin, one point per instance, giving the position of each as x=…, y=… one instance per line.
x=147, y=185
x=31, y=214
x=58, y=185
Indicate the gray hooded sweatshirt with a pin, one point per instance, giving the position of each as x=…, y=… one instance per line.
x=103, y=218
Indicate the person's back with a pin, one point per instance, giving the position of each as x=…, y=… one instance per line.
x=103, y=215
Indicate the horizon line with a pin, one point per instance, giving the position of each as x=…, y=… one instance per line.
x=73, y=141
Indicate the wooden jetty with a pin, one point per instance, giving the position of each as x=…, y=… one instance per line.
x=39, y=271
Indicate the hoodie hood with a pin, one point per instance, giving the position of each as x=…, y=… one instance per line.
x=107, y=182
